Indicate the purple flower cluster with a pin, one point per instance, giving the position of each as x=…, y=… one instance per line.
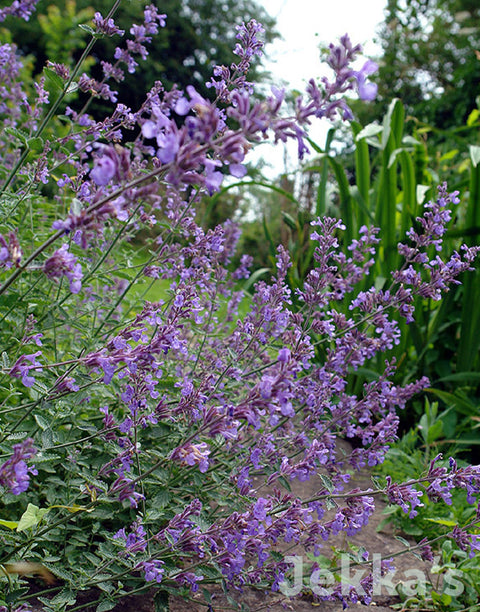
x=24, y=366
x=195, y=402
x=64, y=263
x=276, y=408
x=226, y=79
x=14, y=473
x=19, y=8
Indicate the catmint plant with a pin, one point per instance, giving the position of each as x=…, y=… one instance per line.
x=151, y=411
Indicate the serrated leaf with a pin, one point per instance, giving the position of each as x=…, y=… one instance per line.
x=160, y=601
x=162, y=499
x=47, y=438
x=73, y=87
x=42, y=422
x=105, y=605
x=35, y=144
x=89, y=29
x=53, y=79
x=207, y=595
x=18, y=435
x=66, y=597
x=13, y=596
x=403, y=541
x=45, y=458
x=327, y=483
x=22, y=136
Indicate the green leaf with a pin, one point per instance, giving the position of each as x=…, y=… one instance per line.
x=21, y=136
x=160, y=601
x=9, y=524
x=462, y=405
x=410, y=141
x=72, y=88
x=442, y=600
x=403, y=541
x=35, y=144
x=289, y=220
x=474, y=154
x=369, y=131
x=91, y=31
x=42, y=422
x=66, y=597
x=53, y=79
x=434, y=432
x=252, y=279
x=473, y=117
x=105, y=605
x=445, y=522
x=465, y=377
x=422, y=192
x=31, y=517
x=362, y=173
x=327, y=482
x=321, y=203
x=162, y=498
x=449, y=155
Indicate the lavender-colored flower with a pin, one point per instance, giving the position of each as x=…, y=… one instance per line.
x=24, y=366
x=106, y=26
x=405, y=496
x=153, y=570
x=96, y=88
x=366, y=91
x=135, y=541
x=14, y=473
x=104, y=170
x=60, y=69
x=141, y=34
x=193, y=454
x=64, y=263
x=226, y=79
x=19, y=8
x=189, y=579
x=10, y=250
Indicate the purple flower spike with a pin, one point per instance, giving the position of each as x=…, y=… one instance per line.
x=64, y=263
x=103, y=171
x=14, y=472
x=19, y=8
x=153, y=570
x=106, y=26
x=366, y=91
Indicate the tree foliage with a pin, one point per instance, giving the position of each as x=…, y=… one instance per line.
x=430, y=60
x=197, y=38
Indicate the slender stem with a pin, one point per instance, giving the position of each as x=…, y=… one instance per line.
x=57, y=102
